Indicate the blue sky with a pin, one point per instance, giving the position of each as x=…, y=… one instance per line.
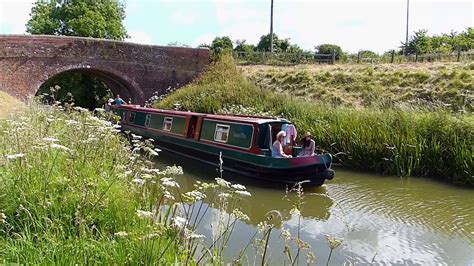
x=354, y=25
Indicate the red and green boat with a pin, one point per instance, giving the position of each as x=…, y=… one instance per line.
x=245, y=142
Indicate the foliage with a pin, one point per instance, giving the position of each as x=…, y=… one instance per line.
x=220, y=45
x=242, y=46
x=368, y=54
x=422, y=43
x=279, y=45
x=401, y=140
x=329, y=49
x=85, y=18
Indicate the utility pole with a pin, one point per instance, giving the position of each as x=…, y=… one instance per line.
x=406, y=37
x=271, y=29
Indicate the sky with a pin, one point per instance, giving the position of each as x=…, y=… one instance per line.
x=352, y=24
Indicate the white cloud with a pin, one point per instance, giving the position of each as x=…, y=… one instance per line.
x=14, y=14
x=139, y=37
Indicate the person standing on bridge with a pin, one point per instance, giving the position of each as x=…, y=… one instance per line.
x=118, y=101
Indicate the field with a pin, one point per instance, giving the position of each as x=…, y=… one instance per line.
x=413, y=137
x=448, y=85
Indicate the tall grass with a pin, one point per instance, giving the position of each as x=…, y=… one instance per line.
x=74, y=191
x=402, y=140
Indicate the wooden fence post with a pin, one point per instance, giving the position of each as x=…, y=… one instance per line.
x=393, y=55
x=333, y=57
x=416, y=56
x=459, y=55
x=358, y=57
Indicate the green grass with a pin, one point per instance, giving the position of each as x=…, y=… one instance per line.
x=445, y=84
x=10, y=105
x=66, y=194
x=405, y=139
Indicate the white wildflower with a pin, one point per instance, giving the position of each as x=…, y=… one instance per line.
x=3, y=218
x=144, y=214
x=168, y=195
x=179, y=221
x=117, y=126
x=194, y=195
x=59, y=147
x=239, y=187
x=240, y=215
x=151, y=140
x=138, y=181
x=147, y=176
x=14, y=156
x=135, y=140
x=71, y=122
x=135, y=150
x=243, y=193
x=121, y=234
x=221, y=182
x=152, y=152
x=150, y=170
x=50, y=139
x=170, y=183
x=80, y=109
x=295, y=211
x=136, y=136
x=286, y=234
x=196, y=236
x=115, y=131
x=172, y=170
x=100, y=110
x=223, y=195
x=157, y=150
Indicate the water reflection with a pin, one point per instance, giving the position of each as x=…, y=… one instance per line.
x=380, y=219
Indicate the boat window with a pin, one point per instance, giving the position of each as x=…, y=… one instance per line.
x=222, y=133
x=124, y=116
x=167, y=123
x=132, y=117
x=147, y=120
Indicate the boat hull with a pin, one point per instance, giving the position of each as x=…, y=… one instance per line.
x=313, y=170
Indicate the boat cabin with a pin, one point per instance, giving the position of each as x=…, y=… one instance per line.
x=252, y=134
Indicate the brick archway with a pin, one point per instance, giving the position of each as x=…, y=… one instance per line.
x=117, y=82
x=133, y=70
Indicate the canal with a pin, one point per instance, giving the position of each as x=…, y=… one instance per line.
x=384, y=220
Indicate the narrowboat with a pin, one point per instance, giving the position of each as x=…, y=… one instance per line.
x=244, y=142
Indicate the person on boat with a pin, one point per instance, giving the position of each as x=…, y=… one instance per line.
x=118, y=101
x=277, y=149
x=308, y=145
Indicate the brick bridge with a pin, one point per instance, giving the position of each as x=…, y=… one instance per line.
x=134, y=71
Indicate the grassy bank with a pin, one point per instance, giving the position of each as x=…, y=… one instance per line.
x=401, y=140
x=74, y=191
x=9, y=105
x=443, y=84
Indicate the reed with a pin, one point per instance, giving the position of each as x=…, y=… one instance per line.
x=405, y=139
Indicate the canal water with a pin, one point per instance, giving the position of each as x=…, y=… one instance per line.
x=381, y=220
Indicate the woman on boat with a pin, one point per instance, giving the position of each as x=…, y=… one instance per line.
x=308, y=145
x=277, y=149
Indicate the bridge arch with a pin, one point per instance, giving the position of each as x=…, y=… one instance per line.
x=116, y=81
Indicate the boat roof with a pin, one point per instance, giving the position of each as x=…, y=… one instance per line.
x=228, y=117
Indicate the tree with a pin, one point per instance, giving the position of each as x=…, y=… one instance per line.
x=85, y=18
x=221, y=44
x=279, y=45
x=419, y=43
x=243, y=47
x=329, y=49
x=368, y=54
